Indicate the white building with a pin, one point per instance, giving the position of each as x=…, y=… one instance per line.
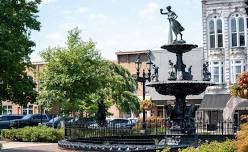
x=225, y=48
x=225, y=38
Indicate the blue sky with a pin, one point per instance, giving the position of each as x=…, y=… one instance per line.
x=115, y=25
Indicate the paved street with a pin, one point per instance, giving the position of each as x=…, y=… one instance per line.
x=30, y=147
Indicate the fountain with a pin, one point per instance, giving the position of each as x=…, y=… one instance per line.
x=180, y=84
x=182, y=130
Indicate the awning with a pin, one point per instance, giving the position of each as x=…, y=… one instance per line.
x=172, y=102
x=163, y=102
x=214, y=101
x=218, y=102
x=243, y=106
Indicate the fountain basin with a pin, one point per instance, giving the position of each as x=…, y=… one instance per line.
x=176, y=88
x=179, y=48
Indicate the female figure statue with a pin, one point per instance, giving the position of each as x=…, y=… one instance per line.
x=174, y=24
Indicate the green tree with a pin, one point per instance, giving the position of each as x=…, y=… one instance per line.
x=17, y=19
x=76, y=77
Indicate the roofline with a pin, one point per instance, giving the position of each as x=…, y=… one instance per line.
x=39, y=62
x=146, y=51
x=131, y=52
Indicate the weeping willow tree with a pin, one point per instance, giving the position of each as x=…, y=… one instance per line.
x=76, y=77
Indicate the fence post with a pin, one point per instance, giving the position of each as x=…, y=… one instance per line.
x=196, y=129
x=156, y=125
x=165, y=127
x=70, y=129
x=222, y=128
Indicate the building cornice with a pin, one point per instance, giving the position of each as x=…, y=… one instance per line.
x=131, y=52
x=39, y=62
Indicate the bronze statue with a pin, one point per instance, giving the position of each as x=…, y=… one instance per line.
x=174, y=24
x=188, y=75
x=155, y=74
x=101, y=113
x=171, y=71
x=206, y=73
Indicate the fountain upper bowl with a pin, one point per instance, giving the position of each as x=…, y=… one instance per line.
x=180, y=88
x=179, y=48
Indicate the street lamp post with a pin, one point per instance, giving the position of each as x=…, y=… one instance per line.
x=145, y=77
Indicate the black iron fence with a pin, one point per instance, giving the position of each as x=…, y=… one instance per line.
x=218, y=128
x=155, y=127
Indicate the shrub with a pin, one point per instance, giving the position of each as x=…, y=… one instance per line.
x=166, y=150
x=227, y=146
x=33, y=134
x=242, y=139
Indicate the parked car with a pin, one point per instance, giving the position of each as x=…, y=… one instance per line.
x=134, y=121
x=29, y=120
x=5, y=120
x=58, y=122
x=79, y=122
x=121, y=123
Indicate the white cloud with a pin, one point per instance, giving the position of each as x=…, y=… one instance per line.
x=48, y=1
x=35, y=57
x=83, y=10
x=70, y=25
x=53, y=36
x=150, y=9
x=98, y=16
x=67, y=12
x=45, y=2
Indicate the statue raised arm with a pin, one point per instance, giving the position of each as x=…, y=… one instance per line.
x=174, y=24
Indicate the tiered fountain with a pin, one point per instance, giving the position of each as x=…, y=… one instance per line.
x=180, y=84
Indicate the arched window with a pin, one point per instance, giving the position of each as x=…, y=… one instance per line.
x=241, y=32
x=237, y=28
x=211, y=34
x=215, y=32
x=219, y=33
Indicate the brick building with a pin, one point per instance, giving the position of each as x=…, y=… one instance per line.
x=10, y=108
x=34, y=73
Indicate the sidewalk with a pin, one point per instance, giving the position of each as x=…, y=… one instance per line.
x=30, y=147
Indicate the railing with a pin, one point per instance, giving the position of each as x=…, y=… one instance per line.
x=219, y=128
x=152, y=128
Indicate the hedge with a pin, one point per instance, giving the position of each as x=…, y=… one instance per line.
x=33, y=134
x=227, y=146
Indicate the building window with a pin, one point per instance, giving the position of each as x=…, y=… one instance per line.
x=238, y=66
x=237, y=28
x=217, y=71
x=7, y=110
x=211, y=34
x=28, y=109
x=215, y=32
